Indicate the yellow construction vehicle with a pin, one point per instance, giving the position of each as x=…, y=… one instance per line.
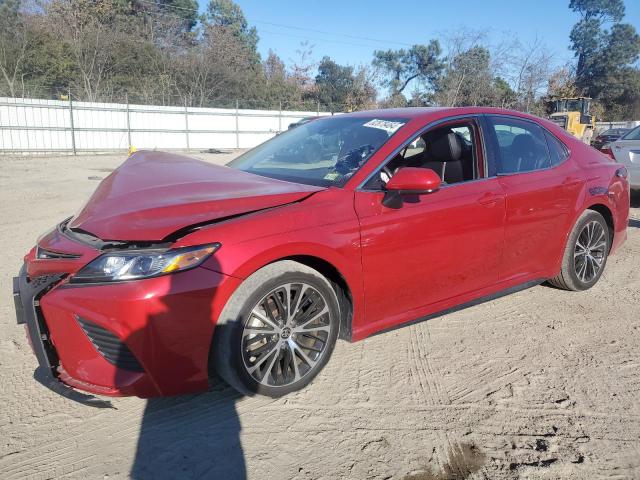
x=573, y=115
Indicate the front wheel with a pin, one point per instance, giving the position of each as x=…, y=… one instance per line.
x=586, y=253
x=277, y=331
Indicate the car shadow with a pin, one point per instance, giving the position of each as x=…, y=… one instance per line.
x=44, y=378
x=186, y=436
x=193, y=436
x=635, y=199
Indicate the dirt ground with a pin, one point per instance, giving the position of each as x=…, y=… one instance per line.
x=542, y=384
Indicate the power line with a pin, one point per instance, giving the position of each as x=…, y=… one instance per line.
x=292, y=27
x=165, y=5
x=317, y=39
x=355, y=37
x=291, y=35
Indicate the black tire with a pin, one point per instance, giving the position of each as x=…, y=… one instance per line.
x=228, y=353
x=570, y=277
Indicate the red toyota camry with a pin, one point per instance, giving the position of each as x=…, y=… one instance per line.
x=340, y=228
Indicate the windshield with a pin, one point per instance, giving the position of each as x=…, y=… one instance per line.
x=615, y=131
x=570, y=105
x=574, y=106
x=632, y=135
x=323, y=152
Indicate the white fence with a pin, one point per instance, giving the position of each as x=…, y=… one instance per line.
x=602, y=126
x=55, y=126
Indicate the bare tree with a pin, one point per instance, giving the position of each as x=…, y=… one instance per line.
x=562, y=83
x=468, y=73
x=91, y=31
x=532, y=68
x=363, y=92
x=213, y=68
x=466, y=77
x=303, y=66
x=14, y=47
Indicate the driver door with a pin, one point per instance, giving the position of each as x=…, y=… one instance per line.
x=436, y=248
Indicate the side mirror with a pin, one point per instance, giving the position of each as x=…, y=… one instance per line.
x=410, y=181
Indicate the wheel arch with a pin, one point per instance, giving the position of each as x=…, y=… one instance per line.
x=339, y=284
x=596, y=206
x=607, y=214
x=344, y=276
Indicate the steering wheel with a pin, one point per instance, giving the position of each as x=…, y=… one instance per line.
x=351, y=161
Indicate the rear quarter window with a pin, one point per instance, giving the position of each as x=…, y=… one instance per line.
x=558, y=152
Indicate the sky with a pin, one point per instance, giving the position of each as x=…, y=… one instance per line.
x=349, y=31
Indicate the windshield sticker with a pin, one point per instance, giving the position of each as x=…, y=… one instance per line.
x=386, y=125
x=332, y=176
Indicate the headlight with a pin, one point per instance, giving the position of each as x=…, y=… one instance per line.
x=136, y=264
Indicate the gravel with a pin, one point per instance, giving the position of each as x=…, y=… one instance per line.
x=540, y=384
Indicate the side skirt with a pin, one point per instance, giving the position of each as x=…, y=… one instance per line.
x=462, y=306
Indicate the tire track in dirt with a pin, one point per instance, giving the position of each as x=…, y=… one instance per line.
x=89, y=436
x=420, y=341
x=569, y=363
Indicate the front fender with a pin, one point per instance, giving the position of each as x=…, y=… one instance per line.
x=324, y=227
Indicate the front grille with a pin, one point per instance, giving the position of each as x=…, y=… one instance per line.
x=42, y=281
x=110, y=347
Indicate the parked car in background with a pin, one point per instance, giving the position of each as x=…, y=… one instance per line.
x=626, y=150
x=608, y=136
x=302, y=121
x=343, y=227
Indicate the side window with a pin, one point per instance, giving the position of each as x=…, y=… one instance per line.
x=414, y=148
x=557, y=151
x=450, y=151
x=522, y=146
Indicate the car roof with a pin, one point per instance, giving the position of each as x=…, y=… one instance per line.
x=429, y=114
x=432, y=112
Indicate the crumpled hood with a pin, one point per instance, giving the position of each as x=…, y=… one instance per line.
x=153, y=194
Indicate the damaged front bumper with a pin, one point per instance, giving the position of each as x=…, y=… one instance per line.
x=26, y=297
x=145, y=338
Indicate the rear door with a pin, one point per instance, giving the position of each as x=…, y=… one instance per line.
x=541, y=189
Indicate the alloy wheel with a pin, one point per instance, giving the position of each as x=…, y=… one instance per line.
x=286, y=334
x=590, y=251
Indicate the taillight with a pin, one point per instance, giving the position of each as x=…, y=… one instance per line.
x=607, y=151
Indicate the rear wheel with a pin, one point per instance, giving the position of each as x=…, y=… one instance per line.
x=586, y=253
x=277, y=331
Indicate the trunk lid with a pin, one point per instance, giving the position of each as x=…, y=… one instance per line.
x=627, y=152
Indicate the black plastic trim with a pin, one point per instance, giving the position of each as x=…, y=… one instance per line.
x=462, y=306
x=112, y=349
x=27, y=293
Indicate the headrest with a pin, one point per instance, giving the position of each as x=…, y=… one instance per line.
x=443, y=146
x=524, y=144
